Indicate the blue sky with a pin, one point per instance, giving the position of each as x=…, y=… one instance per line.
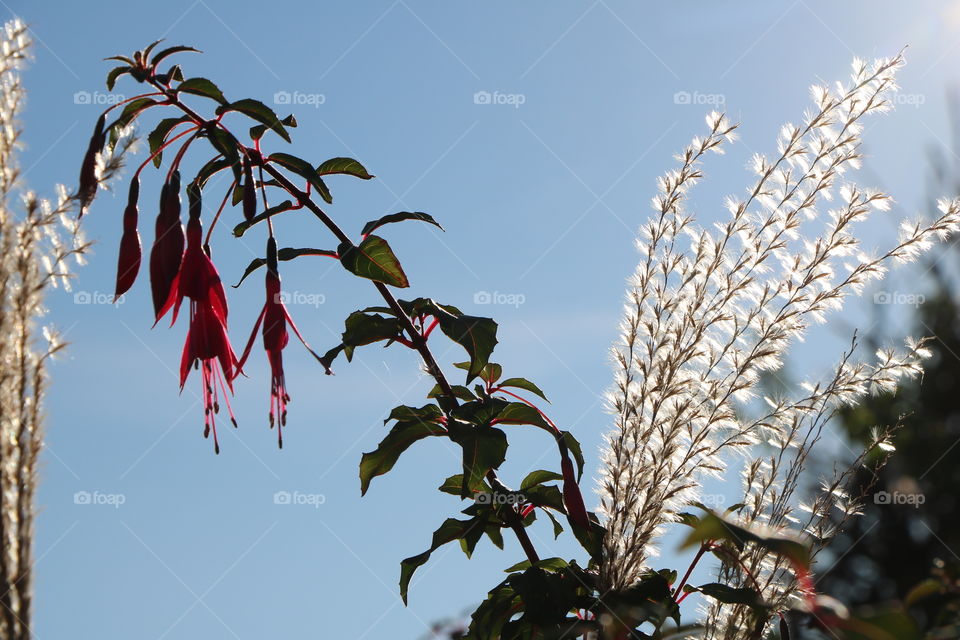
x=540, y=191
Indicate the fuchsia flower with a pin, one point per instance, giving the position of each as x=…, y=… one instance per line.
x=274, y=317
x=207, y=346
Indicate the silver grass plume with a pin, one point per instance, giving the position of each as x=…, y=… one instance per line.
x=39, y=240
x=709, y=310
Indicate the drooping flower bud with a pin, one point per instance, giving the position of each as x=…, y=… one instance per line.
x=249, y=192
x=88, y=170
x=128, y=264
x=572, y=498
x=167, y=251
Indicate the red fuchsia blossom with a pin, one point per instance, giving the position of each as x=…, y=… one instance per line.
x=275, y=317
x=207, y=346
x=128, y=263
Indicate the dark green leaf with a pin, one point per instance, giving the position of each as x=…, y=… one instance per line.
x=211, y=168
x=225, y=144
x=730, y=595
x=114, y=74
x=202, y=87
x=130, y=112
x=539, y=477
x=169, y=52
x=401, y=436
x=159, y=135
x=373, y=225
x=305, y=170
x=241, y=228
x=374, y=260
x=287, y=253
x=522, y=383
x=713, y=527
x=551, y=565
x=484, y=448
x=259, y=112
x=345, y=166
x=451, y=529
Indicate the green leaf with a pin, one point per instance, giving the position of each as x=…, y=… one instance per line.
x=557, y=527
x=202, y=87
x=713, y=527
x=381, y=460
x=345, y=166
x=373, y=225
x=451, y=529
x=225, y=144
x=539, y=477
x=551, y=565
x=305, y=170
x=169, y=52
x=426, y=413
x=923, y=590
x=366, y=328
x=484, y=448
x=241, y=228
x=547, y=496
x=523, y=383
x=259, y=112
x=130, y=112
x=489, y=374
x=159, y=135
x=730, y=595
x=520, y=413
x=478, y=336
x=374, y=260
x=114, y=74
x=459, y=391
x=287, y=253
x=211, y=168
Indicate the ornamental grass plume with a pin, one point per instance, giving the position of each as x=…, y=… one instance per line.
x=708, y=310
x=39, y=240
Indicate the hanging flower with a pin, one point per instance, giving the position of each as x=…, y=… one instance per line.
x=207, y=346
x=274, y=317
